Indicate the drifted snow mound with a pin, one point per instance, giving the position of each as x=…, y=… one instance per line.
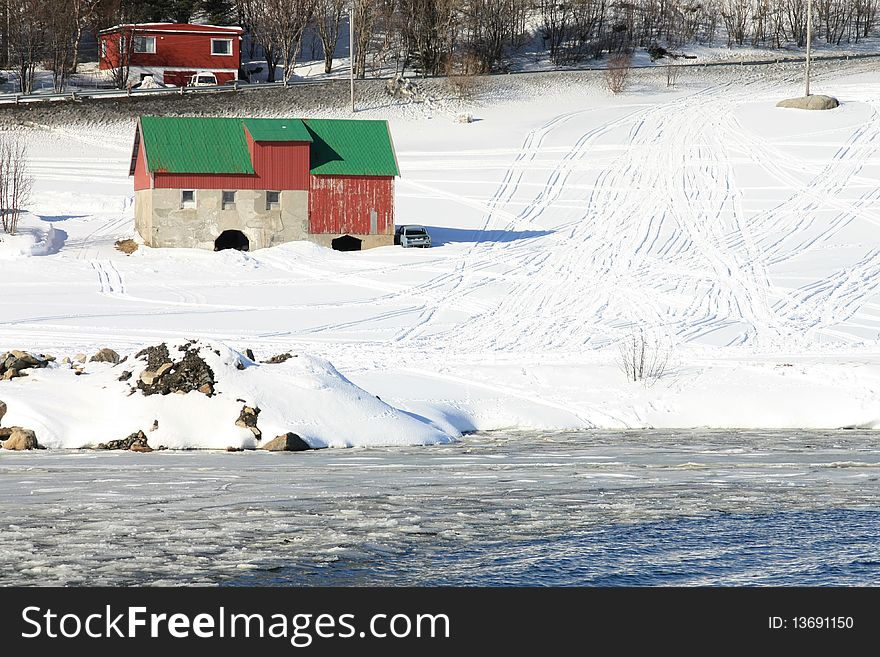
x=191, y=395
x=33, y=237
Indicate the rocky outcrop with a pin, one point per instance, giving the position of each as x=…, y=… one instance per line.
x=817, y=102
x=105, y=356
x=14, y=363
x=18, y=439
x=136, y=442
x=279, y=358
x=165, y=374
x=286, y=442
x=2, y=410
x=248, y=420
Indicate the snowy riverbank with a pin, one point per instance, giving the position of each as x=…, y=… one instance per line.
x=740, y=237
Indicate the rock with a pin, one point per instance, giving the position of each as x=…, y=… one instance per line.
x=21, y=439
x=234, y=449
x=80, y=358
x=147, y=377
x=279, y=358
x=105, y=356
x=14, y=362
x=136, y=442
x=401, y=87
x=126, y=246
x=466, y=117
x=165, y=375
x=248, y=420
x=155, y=425
x=125, y=376
x=250, y=354
x=287, y=442
x=813, y=102
x=2, y=410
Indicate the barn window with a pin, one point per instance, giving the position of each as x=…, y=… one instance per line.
x=228, y=200
x=145, y=44
x=187, y=198
x=221, y=46
x=273, y=200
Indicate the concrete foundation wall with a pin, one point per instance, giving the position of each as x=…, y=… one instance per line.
x=162, y=222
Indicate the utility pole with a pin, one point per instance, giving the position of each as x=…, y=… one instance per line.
x=809, y=42
x=351, y=50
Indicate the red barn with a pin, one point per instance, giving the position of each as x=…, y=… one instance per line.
x=253, y=183
x=171, y=52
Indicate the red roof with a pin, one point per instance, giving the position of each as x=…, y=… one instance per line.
x=176, y=27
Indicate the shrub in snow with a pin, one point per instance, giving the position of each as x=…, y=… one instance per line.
x=642, y=359
x=15, y=181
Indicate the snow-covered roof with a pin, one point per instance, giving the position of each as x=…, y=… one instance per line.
x=183, y=28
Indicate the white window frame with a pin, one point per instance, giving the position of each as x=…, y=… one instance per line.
x=148, y=39
x=273, y=205
x=224, y=204
x=188, y=205
x=221, y=54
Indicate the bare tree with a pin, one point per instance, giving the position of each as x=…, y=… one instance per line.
x=328, y=15
x=617, y=73
x=15, y=181
x=27, y=36
x=642, y=359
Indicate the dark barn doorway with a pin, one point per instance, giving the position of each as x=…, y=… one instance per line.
x=232, y=239
x=346, y=243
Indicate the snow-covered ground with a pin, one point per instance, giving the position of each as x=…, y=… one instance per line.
x=739, y=237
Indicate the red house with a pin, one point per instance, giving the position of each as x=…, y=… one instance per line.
x=171, y=52
x=218, y=183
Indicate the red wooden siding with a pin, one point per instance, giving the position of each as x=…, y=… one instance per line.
x=342, y=204
x=175, y=50
x=141, y=174
x=278, y=166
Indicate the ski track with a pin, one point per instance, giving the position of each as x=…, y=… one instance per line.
x=640, y=219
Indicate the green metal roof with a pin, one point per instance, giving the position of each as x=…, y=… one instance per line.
x=195, y=145
x=277, y=130
x=218, y=145
x=351, y=147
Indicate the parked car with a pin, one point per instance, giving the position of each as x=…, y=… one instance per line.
x=412, y=235
x=203, y=79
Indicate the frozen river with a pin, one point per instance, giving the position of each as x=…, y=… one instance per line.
x=589, y=508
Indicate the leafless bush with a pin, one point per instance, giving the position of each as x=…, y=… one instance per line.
x=15, y=181
x=672, y=71
x=461, y=74
x=643, y=359
x=617, y=73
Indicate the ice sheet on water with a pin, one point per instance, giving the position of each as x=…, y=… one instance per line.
x=411, y=515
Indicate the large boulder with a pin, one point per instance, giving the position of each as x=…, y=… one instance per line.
x=105, y=356
x=814, y=102
x=286, y=442
x=19, y=439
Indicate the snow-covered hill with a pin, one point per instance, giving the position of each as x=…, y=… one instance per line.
x=738, y=237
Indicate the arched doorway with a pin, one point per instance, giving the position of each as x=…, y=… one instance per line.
x=346, y=243
x=232, y=239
